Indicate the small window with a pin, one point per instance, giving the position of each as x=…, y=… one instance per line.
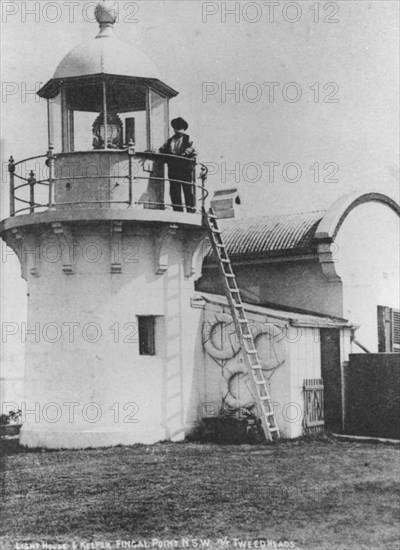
x=147, y=335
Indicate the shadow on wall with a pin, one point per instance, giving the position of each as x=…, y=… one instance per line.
x=197, y=398
x=172, y=378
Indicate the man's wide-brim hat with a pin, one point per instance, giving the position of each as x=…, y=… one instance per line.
x=179, y=124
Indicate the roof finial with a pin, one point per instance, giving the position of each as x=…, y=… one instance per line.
x=105, y=16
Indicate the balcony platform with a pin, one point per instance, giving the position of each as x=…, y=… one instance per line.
x=104, y=185
x=139, y=215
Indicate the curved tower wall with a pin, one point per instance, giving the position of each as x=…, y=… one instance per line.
x=85, y=378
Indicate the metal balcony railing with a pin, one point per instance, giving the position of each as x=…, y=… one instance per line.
x=28, y=193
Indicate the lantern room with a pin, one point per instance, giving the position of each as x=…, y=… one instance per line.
x=106, y=94
x=125, y=109
x=108, y=118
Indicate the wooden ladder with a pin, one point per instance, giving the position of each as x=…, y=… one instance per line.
x=256, y=375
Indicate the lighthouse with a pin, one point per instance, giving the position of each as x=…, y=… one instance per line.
x=110, y=262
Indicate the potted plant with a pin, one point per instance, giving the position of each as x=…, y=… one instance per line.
x=10, y=423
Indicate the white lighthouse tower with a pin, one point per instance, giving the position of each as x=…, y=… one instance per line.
x=109, y=262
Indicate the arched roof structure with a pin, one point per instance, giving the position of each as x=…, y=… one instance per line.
x=297, y=234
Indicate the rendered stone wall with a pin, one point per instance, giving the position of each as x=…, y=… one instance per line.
x=92, y=371
x=294, y=284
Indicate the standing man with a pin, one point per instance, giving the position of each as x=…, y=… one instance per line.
x=181, y=146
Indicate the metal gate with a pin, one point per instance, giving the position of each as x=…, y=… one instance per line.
x=313, y=418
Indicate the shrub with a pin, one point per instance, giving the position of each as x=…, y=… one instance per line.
x=12, y=417
x=234, y=427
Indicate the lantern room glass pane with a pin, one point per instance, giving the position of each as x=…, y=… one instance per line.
x=55, y=133
x=158, y=120
x=82, y=107
x=129, y=102
x=83, y=130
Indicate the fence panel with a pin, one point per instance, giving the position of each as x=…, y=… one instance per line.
x=372, y=395
x=313, y=419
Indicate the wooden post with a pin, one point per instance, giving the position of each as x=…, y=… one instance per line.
x=385, y=344
x=11, y=169
x=32, y=181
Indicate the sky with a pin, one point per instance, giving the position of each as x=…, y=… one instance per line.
x=335, y=103
x=330, y=127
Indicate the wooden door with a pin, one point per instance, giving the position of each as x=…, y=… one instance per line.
x=332, y=378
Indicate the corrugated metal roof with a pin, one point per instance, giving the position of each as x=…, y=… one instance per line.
x=271, y=235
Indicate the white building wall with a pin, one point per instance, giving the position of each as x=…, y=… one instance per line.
x=305, y=362
x=300, y=347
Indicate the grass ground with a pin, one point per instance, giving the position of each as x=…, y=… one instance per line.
x=322, y=494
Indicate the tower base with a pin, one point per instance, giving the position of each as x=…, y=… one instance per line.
x=53, y=439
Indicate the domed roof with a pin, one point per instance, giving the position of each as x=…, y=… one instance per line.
x=106, y=54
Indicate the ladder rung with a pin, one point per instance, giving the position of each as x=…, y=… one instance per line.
x=230, y=275
x=273, y=429
x=217, y=231
x=225, y=260
x=252, y=351
x=247, y=336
